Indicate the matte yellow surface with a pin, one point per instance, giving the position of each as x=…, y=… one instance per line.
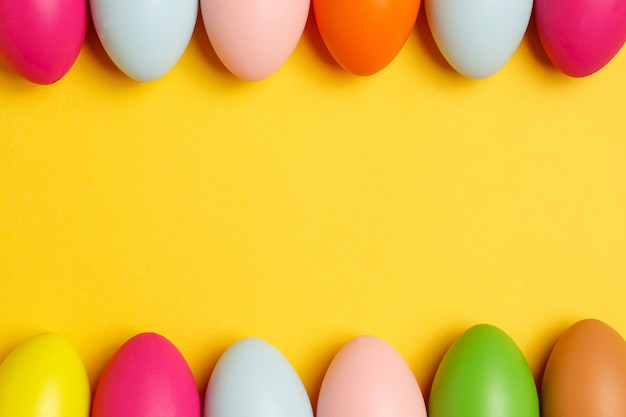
x=313, y=206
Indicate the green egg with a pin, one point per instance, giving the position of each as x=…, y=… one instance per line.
x=484, y=374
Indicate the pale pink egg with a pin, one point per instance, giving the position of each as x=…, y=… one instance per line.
x=369, y=378
x=254, y=38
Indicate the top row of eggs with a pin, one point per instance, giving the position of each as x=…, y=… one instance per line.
x=253, y=38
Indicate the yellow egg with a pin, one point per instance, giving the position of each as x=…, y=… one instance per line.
x=44, y=377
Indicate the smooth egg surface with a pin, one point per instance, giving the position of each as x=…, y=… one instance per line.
x=364, y=36
x=254, y=38
x=44, y=377
x=41, y=39
x=144, y=38
x=369, y=378
x=252, y=378
x=478, y=37
x=147, y=377
x=581, y=36
x=483, y=374
x=586, y=373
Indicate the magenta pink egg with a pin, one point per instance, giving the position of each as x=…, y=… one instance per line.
x=147, y=377
x=581, y=36
x=41, y=39
x=369, y=378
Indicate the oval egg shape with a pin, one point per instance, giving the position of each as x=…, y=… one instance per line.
x=44, y=376
x=144, y=38
x=483, y=374
x=478, y=37
x=581, y=36
x=369, y=378
x=364, y=36
x=254, y=38
x=147, y=377
x=41, y=39
x=586, y=373
x=252, y=378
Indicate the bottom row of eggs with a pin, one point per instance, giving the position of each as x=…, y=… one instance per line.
x=483, y=373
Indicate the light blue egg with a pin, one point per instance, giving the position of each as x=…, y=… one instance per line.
x=144, y=38
x=253, y=379
x=478, y=37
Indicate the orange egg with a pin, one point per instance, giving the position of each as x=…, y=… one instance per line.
x=586, y=373
x=364, y=36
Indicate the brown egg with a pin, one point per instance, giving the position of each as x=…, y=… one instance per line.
x=586, y=373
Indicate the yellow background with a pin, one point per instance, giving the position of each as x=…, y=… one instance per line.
x=313, y=206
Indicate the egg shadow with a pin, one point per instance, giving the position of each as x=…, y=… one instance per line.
x=6, y=71
x=433, y=365
x=5, y=351
x=14, y=337
x=545, y=356
x=312, y=38
x=11, y=81
x=324, y=362
x=427, y=43
x=201, y=41
x=99, y=54
x=536, y=48
x=102, y=356
x=214, y=353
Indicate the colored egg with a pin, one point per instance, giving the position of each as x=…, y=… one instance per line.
x=254, y=38
x=147, y=377
x=144, y=38
x=581, y=36
x=369, y=378
x=483, y=374
x=478, y=37
x=252, y=378
x=41, y=39
x=586, y=373
x=364, y=36
x=44, y=376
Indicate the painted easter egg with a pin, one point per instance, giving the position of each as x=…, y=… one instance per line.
x=478, y=37
x=581, y=36
x=586, y=373
x=252, y=378
x=41, y=39
x=254, y=38
x=483, y=374
x=144, y=38
x=369, y=378
x=44, y=376
x=147, y=377
x=364, y=36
